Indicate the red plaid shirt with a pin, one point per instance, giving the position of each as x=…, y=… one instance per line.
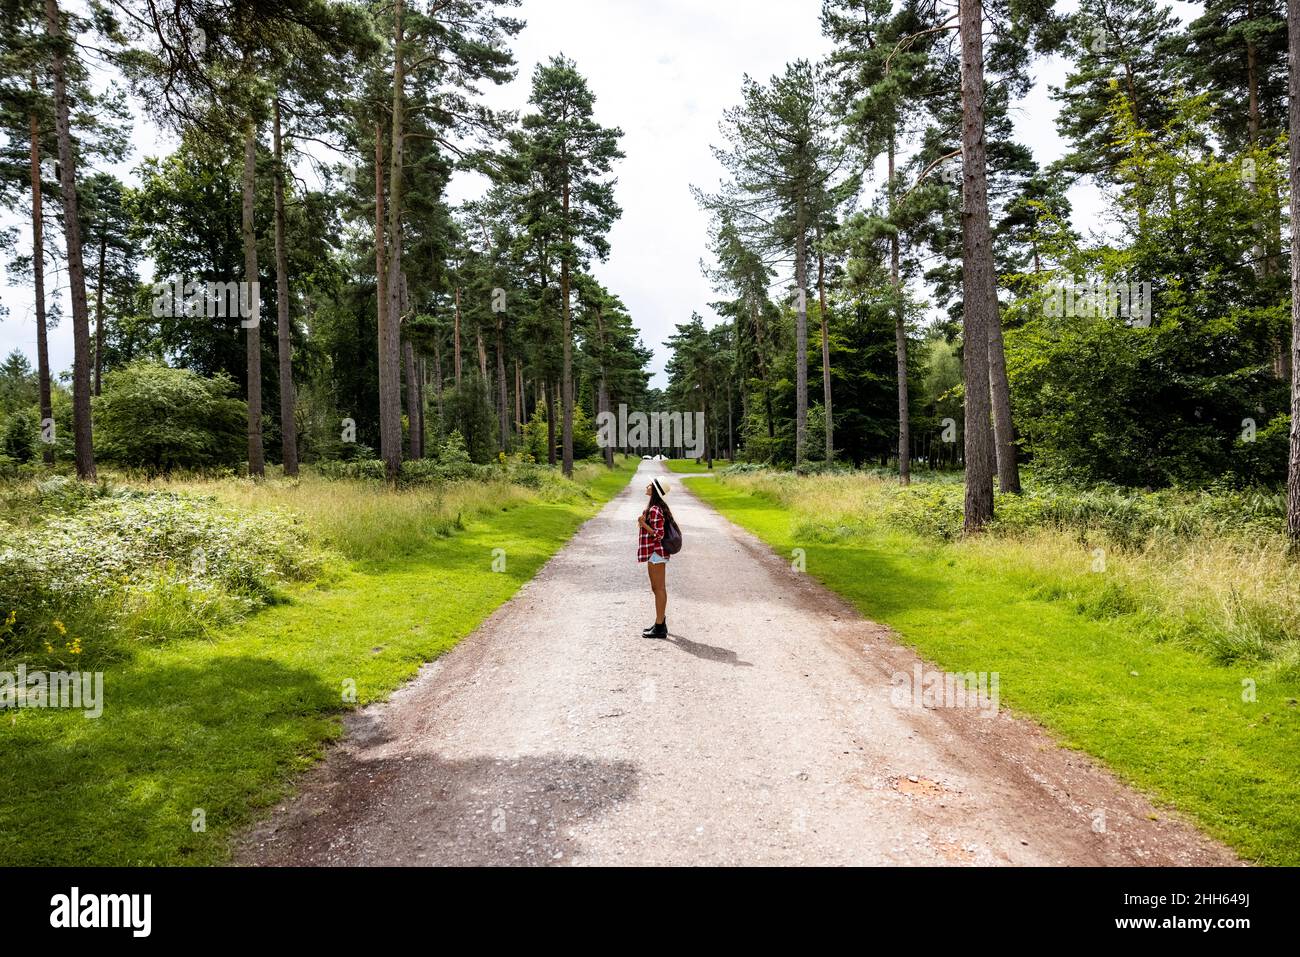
x=651, y=542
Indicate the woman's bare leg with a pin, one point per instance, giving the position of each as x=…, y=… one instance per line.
x=659, y=585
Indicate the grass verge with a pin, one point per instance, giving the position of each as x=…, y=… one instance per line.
x=214, y=729
x=1220, y=741
x=687, y=466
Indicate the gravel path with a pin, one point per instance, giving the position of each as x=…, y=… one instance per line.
x=762, y=732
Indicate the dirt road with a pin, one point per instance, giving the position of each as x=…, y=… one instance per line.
x=763, y=732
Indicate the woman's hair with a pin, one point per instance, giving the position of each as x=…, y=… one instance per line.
x=657, y=499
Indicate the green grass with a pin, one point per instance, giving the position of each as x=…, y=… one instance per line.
x=1165, y=718
x=223, y=725
x=690, y=465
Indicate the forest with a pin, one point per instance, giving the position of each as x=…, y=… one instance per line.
x=324, y=415
x=373, y=319
x=867, y=234
x=841, y=240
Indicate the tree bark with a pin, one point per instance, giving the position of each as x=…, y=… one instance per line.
x=422, y=381
x=980, y=307
x=421, y=377
x=437, y=380
x=99, y=313
x=414, y=408
x=38, y=278
x=503, y=388
x=252, y=323
x=83, y=439
x=826, y=353
x=413, y=439
x=283, y=327
x=761, y=348
x=566, y=388
x=552, y=400
x=381, y=253
x=519, y=399
x=390, y=374
x=800, y=340
x=900, y=339
x=1003, y=431
x=1293, y=465
x=455, y=339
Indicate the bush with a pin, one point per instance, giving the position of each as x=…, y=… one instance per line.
x=104, y=568
x=159, y=419
x=18, y=437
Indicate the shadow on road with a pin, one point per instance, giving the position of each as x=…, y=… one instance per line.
x=428, y=810
x=708, y=652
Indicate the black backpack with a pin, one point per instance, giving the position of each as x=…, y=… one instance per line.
x=672, y=541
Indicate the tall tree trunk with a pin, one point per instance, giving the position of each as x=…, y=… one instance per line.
x=731, y=429
x=978, y=280
x=38, y=277
x=482, y=356
x=1003, y=430
x=503, y=389
x=567, y=376
x=414, y=444
x=72, y=235
x=283, y=328
x=437, y=380
x=801, y=340
x=414, y=413
x=381, y=252
x=519, y=399
x=422, y=380
x=709, y=440
x=552, y=401
x=421, y=376
x=761, y=349
x=390, y=373
x=900, y=338
x=99, y=313
x=826, y=351
x=455, y=339
x=1293, y=109
x=252, y=323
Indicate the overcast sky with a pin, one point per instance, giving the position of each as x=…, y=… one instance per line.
x=662, y=71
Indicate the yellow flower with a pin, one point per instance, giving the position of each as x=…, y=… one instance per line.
x=49, y=648
x=13, y=617
x=59, y=627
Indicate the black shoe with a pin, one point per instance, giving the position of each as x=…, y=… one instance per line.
x=656, y=631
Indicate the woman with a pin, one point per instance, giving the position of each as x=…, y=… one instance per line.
x=650, y=549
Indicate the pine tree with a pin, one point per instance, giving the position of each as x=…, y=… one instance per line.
x=783, y=163
x=1293, y=461
x=574, y=156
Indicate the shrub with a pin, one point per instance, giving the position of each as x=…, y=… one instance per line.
x=108, y=567
x=159, y=419
x=18, y=437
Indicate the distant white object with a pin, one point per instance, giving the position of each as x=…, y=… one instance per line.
x=646, y=457
x=661, y=457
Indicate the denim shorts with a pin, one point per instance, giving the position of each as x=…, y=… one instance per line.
x=657, y=559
